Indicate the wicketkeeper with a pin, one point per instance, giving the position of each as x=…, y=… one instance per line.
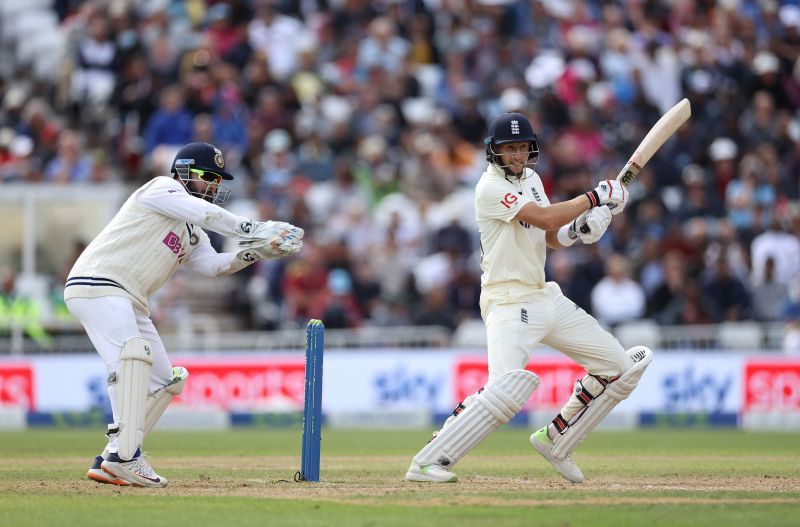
x=159, y=228
x=517, y=223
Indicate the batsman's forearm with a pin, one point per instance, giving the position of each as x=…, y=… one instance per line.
x=552, y=217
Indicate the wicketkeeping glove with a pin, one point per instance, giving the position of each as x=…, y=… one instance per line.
x=268, y=240
x=261, y=230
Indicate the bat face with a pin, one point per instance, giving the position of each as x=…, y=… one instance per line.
x=667, y=125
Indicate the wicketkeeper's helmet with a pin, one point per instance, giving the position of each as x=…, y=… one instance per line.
x=202, y=162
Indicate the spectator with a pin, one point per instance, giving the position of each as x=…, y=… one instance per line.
x=727, y=295
x=171, y=124
x=94, y=77
x=769, y=297
x=617, y=298
x=71, y=164
x=665, y=302
x=781, y=245
x=339, y=308
x=276, y=37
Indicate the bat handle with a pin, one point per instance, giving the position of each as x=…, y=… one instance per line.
x=585, y=228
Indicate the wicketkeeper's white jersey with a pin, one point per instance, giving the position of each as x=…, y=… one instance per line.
x=512, y=252
x=155, y=231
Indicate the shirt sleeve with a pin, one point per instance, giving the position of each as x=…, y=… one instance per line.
x=206, y=261
x=169, y=197
x=497, y=200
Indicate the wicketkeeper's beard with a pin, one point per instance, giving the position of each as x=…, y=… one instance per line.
x=209, y=195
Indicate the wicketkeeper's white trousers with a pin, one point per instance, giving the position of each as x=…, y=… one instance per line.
x=547, y=316
x=110, y=321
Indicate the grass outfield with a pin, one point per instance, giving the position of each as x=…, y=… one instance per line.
x=244, y=478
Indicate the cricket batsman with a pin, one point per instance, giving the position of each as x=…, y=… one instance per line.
x=159, y=228
x=517, y=222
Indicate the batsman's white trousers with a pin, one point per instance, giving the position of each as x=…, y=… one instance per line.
x=547, y=316
x=110, y=321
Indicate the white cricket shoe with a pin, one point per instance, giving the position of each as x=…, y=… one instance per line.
x=432, y=473
x=136, y=472
x=99, y=475
x=566, y=467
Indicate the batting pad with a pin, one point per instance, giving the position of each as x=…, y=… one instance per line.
x=600, y=407
x=499, y=401
x=157, y=403
x=133, y=379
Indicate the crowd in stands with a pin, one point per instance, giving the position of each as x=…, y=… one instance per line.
x=363, y=122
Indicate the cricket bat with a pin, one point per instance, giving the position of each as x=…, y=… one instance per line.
x=655, y=138
x=667, y=125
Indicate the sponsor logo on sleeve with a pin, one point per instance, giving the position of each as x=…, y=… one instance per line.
x=508, y=200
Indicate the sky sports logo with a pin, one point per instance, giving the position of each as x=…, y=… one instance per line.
x=772, y=386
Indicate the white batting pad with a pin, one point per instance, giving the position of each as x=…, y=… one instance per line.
x=132, y=381
x=499, y=401
x=600, y=407
x=158, y=402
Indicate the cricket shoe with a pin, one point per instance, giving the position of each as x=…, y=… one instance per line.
x=432, y=473
x=566, y=467
x=136, y=472
x=97, y=473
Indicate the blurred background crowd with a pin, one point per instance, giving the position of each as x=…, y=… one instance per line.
x=363, y=122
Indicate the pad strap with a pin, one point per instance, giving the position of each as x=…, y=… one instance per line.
x=619, y=390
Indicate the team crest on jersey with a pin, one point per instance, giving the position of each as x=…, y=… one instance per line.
x=536, y=194
x=218, y=160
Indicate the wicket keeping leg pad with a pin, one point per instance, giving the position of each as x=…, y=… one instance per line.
x=157, y=403
x=619, y=390
x=133, y=379
x=499, y=401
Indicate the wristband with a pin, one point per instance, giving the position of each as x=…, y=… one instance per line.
x=564, y=236
x=594, y=198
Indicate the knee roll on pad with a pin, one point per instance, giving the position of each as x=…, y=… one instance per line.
x=616, y=391
x=158, y=402
x=133, y=378
x=499, y=401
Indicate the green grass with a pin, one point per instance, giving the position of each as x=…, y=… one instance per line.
x=244, y=478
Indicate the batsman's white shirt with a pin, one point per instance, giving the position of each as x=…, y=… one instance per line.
x=156, y=230
x=512, y=252
x=518, y=307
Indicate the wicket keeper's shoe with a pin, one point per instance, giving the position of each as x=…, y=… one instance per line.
x=136, y=472
x=433, y=473
x=97, y=474
x=566, y=467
